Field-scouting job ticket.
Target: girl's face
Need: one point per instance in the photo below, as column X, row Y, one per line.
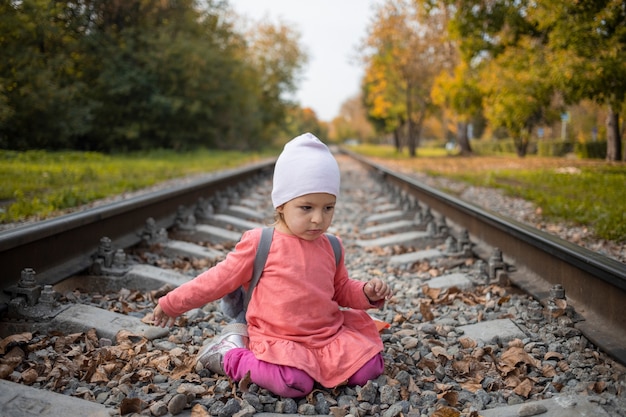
column 307, row 216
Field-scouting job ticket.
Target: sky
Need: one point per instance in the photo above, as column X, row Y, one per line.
column 331, row 31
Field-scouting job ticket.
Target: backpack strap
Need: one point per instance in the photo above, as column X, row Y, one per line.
column 334, row 242
column 259, row 262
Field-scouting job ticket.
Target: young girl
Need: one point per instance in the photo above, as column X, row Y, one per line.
column 297, row 332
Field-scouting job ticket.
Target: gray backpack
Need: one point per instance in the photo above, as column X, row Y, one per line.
column 235, row 304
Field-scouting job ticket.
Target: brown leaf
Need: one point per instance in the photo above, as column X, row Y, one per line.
column 125, row 338
column 99, row 376
column 452, row 397
column 148, row 319
column 245, row 382
column 524, row 388
column 131, row 405
column 198, row 410
column 598, row 387
column 504, row 299
column 15, row 356
column 440, row 351
column 515, row 355
column 184, row 368
column 552, row 355
column 548, row 371
column 14, row 338
column 467, row 343
column 6, row 370
column 560, row 303
column 428, row 363
column 471, row 385
column 461, row 366
column 426, row 312
column 29, row 376
column 399, row 318
column 432, row 293
column 446, row 412
column 480, row 316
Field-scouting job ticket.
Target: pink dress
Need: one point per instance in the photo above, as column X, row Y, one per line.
column 295, row 317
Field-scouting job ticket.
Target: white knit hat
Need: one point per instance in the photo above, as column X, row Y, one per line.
column 305, row 166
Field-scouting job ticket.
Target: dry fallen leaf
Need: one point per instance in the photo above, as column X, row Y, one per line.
column 199, row 411
column 524, row 388
column 6, row 370
column 452, row 397
column 131, row 405
column 472, row 385
column 446, row 412
column 598, row 387
column 440, row 351
column 426, row 312
column 245, row 382
column 29, row 376
column 467, row 343
column 14, row 338
column 548, row 371
column 552, row 355
column 516, row 355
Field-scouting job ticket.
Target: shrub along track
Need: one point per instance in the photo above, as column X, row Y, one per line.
column 430, row 364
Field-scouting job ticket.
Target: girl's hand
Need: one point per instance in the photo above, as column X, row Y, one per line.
column 376, row 290
column 159, row 318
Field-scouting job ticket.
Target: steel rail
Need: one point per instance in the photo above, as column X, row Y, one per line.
column 64, row 245
column 594, row 284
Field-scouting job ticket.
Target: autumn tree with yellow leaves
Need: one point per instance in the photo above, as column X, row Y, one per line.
column 521, row 64
column 403, row 56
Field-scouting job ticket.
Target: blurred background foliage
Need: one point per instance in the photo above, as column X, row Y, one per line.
column 122, row 75
column 541, row 77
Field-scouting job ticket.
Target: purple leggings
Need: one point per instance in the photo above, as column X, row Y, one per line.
column 287, row 381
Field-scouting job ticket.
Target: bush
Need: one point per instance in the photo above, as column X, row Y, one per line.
column 596, row 150
column 554, row 148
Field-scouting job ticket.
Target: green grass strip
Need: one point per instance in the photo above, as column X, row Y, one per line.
column 37, row 184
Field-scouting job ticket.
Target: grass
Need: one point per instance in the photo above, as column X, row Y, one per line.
column 582, row 192
column 38, row 184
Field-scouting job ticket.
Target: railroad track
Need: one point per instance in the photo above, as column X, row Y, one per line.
column 101, row 269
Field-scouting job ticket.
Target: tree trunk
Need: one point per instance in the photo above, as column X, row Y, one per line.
column 409, row 118
column 396, row 139
column 521, row 140
column 613, row 137
column 411, row 139
column 462, row 138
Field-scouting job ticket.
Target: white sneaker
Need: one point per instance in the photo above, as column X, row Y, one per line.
column 211, row 357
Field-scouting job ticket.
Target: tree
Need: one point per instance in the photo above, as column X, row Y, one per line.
column 518, row 92
column 352, row 121
column 300, row 120
column 587, row 40
column 385, row 107
column 115, row 75
column 509, row 53
column 402, row 61
column 580, row 46
column 277, row 59
column 42, row 86
column 460, row 92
